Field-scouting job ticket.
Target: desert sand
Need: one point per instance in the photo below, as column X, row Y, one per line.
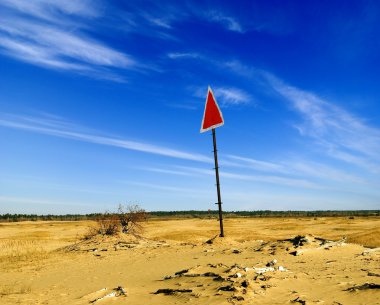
column 260, row 261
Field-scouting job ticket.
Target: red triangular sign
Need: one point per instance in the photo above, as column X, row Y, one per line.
column 212, row 116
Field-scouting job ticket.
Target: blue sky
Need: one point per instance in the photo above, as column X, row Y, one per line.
column 101, row 103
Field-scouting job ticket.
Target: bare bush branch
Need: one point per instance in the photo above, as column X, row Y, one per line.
column 126, row 220
column 131, row 218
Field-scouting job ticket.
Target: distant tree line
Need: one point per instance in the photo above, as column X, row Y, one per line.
column 265, row 213
column 35, row 217
column 195, row 214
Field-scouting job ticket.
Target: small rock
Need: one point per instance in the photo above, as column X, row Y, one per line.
column 120, row 290
column 211, row 240
column 300, row 240
column 236, row 251
column 262, row 277
column 182, row 272
column 168, row 291
column 227, row 288
column 299, row 300
column 218, row 279
column 272, row 263
column 263, row 270
column 210, row 274
column 365, row 286
column 238, row 298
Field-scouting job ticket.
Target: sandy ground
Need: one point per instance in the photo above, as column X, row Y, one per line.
column 258, row 262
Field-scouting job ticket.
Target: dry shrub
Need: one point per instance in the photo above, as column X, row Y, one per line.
column 126, row 220
column 131, row 219
column 108, row 224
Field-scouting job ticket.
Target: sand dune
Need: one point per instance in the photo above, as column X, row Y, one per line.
column 260, row 261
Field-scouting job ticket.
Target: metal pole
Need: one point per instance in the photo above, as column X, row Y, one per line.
column 218, row 184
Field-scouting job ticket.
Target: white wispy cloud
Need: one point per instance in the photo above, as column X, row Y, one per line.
column 32, row 201
column 168, row 188
column 37, row 55
column 237, row 67
column 232, row 96
column 48, row 9
column 342, row 134
column 178, row 55
column 271, row 179
column 298, row 167
column 64, row 129
column 160, row 22
column 259, row 165
column 187, row 106
column 319, row 170
column 163, row 16
column 152, row 19
column 228, row 22
column 166, row 171
column 41, row 33
column 299, row 183
column 226, row 96
column 44, row 205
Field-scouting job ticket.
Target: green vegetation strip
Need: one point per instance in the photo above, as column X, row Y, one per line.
column 195, row 214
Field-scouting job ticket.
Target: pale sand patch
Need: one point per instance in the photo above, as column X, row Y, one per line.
column 33, row 271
